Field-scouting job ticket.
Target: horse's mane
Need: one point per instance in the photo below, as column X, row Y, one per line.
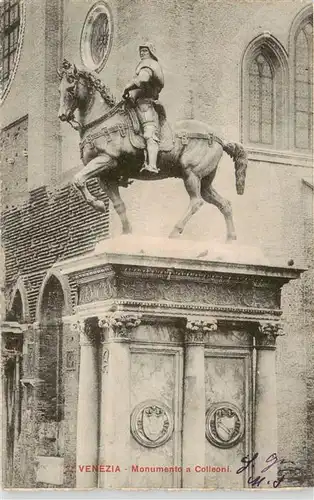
column 92, row 81
column 97, row 84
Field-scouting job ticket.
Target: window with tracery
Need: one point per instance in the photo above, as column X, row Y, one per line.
column 265, row 94
column 303, row 86
column 261, row 101
column 96, row 36
column 10, row 21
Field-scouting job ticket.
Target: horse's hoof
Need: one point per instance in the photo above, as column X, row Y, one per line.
column 175, row 233
column 99, row 205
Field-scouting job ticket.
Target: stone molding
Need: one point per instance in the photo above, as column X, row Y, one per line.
column 280, row 157
column 242, row 275
column 267, row 334
column 176, row 308
column 118, row 325
column 197, row 327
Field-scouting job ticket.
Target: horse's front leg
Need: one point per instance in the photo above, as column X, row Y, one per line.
column 111, row 188
column 93, row 169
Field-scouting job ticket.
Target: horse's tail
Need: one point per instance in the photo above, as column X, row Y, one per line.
column 239, row 156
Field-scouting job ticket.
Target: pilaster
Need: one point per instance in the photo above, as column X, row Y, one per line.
column 193, row 446
column 115, row 396
column 265, row 425
column 88, row 403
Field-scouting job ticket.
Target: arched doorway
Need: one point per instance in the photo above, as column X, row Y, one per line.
column 50, row 363
column 12, row 344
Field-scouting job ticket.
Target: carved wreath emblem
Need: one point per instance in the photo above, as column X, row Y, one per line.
column 151, row 423
column 224, row 425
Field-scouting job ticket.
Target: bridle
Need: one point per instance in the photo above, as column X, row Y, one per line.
column 66, row 67
column 92, row 84
column 71, row 119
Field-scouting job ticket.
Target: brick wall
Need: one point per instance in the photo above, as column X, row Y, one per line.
column 13, row 156
column 51, row 226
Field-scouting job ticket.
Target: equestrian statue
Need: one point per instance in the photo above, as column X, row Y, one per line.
column 131, row 139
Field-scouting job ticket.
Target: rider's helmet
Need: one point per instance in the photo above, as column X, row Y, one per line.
column 151, row 49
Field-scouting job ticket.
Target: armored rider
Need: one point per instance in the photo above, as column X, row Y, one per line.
column 146, row 86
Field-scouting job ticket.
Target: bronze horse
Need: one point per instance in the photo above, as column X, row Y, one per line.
column 108, row 154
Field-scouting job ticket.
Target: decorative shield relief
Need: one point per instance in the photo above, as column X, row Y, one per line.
column 224, row 425
column 96, row 37
column 151, row 423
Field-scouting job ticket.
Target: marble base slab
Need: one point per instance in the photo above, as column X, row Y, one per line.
column 181, row 249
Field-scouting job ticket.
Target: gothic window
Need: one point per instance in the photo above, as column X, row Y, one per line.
column 303, row 86
column 265, row 94
column 10, row 32
column 261, row 97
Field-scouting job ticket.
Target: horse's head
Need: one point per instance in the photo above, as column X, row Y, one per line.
column 73, row 89
column 77, row 89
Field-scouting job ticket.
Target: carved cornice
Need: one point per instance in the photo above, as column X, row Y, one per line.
column 267, row 333
column 118, row 325
column 93, row 273
column 150, row 306
column 96, row 289
column 197, row 327
column 219, row 293
column 174, row 274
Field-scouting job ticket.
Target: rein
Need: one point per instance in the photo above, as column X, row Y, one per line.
column 102, row 118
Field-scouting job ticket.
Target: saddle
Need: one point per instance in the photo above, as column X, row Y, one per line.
column 135, row 133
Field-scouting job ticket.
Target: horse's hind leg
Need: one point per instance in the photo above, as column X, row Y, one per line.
column 91, row 170
column 111, row 188
column 211, row 196
column 192, row 185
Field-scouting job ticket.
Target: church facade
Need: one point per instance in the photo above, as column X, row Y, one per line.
column 243, row 68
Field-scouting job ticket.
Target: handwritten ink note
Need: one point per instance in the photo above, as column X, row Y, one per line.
column 259, row 478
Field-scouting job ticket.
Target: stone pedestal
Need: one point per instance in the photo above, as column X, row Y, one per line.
column 168, row 396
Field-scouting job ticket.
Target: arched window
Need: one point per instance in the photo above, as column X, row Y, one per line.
column 11, row 32
column 261, row 100
column 303, row 85
column 17, row 307
column 264, row 94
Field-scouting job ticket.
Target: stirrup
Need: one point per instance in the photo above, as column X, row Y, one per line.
column 150, row 168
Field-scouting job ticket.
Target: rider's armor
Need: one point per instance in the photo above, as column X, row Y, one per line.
column 146, row 86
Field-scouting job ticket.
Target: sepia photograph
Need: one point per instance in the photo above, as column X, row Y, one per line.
column 157, row 250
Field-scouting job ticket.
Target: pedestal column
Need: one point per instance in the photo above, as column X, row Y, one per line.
column 115, row 398
column 265, row 425
column 193, row 446
column 88, row 405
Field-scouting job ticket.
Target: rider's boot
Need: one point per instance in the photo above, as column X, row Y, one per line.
column 151, row 153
